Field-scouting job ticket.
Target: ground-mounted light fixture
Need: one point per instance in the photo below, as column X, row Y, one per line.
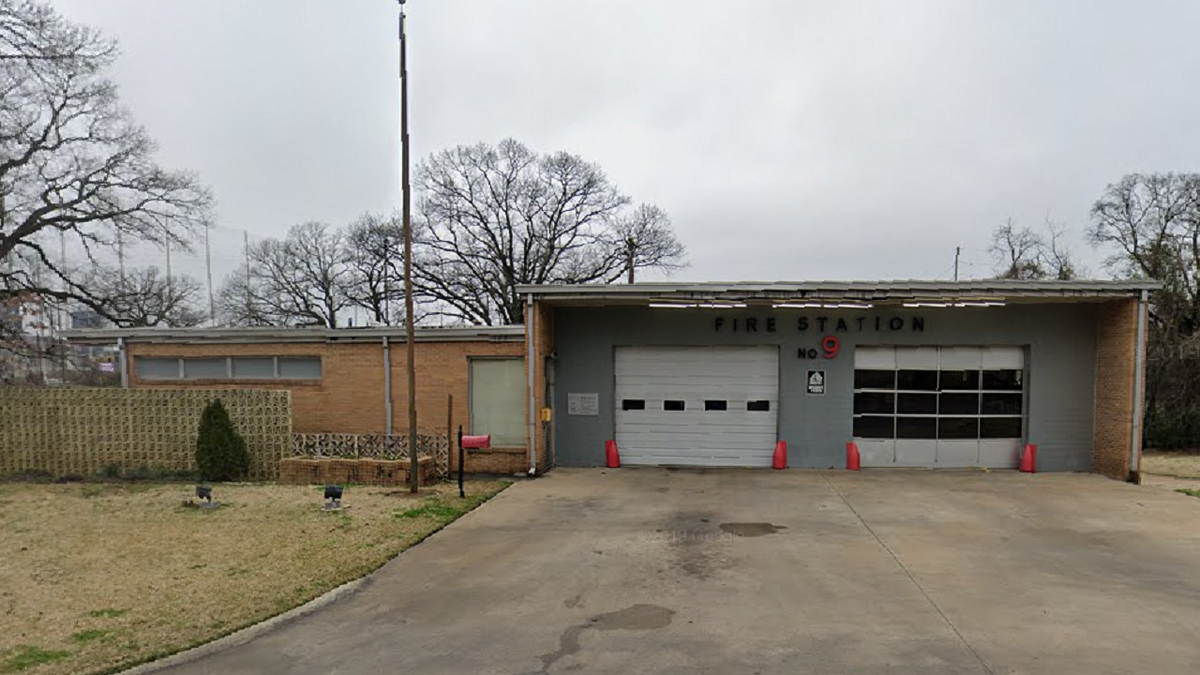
column 204, row 492
column 333, row 497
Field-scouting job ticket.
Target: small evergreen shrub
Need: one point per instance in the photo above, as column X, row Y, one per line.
column 220, row 451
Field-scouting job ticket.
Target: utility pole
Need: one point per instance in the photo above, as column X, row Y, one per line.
column 63, row 312
column 414, row 472
column 121, row 257
column 212, row 304
column 167, row 250
column 957, row 252
column 630, row 252
column 246, row 250
column 387, row 286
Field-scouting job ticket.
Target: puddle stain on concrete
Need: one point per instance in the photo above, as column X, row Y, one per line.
column 751, row 529
column 636, row 617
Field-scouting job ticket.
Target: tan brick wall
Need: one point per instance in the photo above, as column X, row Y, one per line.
column 349, row 398
column 1116, row 353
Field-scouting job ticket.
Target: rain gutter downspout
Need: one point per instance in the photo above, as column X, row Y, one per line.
column 1139, row 386
column 123, row 362
column 387, row 385
column 531, row 322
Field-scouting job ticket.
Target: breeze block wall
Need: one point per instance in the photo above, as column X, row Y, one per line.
column 1116, row 355
column 82, row 432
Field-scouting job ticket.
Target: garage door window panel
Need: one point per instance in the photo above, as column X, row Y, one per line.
column 633, row 404
column 758, row 406
column 917, row 380
column 1002, row 404
column 958, row 428
column 1000, row 427
column 959, row 404
column 918, row 404
column 1002, row 380
column 875, row 426
column 875, row 379
column 923, row 428
column 674, row 406
column 497, row 400
column 877, row 402
column 959, row 379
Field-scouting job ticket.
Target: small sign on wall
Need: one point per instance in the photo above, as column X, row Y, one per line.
column 816, row 382
column 583, row 404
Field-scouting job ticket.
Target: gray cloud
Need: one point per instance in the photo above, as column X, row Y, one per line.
column 787, row 139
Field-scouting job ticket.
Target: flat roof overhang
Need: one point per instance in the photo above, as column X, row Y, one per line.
column 849, row 293
column 396, row 334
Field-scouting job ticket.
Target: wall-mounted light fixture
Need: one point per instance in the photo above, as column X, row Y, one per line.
column 823, row 305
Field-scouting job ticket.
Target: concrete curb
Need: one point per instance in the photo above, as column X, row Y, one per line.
column 251, row 632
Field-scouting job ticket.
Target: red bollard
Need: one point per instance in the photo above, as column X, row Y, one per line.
column 853, row 460
column 779, row 461
column 611, row 456
column 1029, row 459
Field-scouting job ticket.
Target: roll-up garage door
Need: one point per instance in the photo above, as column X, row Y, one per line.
column 697, row 406
column 939, row 406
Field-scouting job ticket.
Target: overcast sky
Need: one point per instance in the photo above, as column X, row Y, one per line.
column 787, row 139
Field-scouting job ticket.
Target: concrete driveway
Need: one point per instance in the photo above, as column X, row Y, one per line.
column 661, row 571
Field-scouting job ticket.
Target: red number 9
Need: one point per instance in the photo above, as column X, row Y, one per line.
column 831, row 345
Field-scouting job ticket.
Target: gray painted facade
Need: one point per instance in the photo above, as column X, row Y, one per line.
column 1059, row 338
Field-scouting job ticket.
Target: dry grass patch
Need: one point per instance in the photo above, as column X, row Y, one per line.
column 96, row 578
column 1179, row 464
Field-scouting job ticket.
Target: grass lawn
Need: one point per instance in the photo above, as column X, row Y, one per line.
column 99, row 577
column 1179, row 464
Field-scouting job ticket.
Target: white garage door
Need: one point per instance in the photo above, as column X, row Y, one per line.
column 939, row 406
column 697, row 406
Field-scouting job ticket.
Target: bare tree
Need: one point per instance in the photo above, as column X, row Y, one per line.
column 301, row 279
column 373, row 244
column 1153, row 223
column 1056, row 255
column 491, row 218
column 73, row 164
column 1017, row 252
column 146, row 297
column 1022, row 253
column 646, row 239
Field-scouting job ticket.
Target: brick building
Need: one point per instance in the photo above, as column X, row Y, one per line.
column 917, row 373
column 928, row 374
column 351, row 380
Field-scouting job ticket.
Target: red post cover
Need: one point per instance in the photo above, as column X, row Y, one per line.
column 612, row 457
column 1029, row 459
column 853, row 459
column 779, row 461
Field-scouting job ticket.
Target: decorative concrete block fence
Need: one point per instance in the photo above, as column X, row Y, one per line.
column 86, row 432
